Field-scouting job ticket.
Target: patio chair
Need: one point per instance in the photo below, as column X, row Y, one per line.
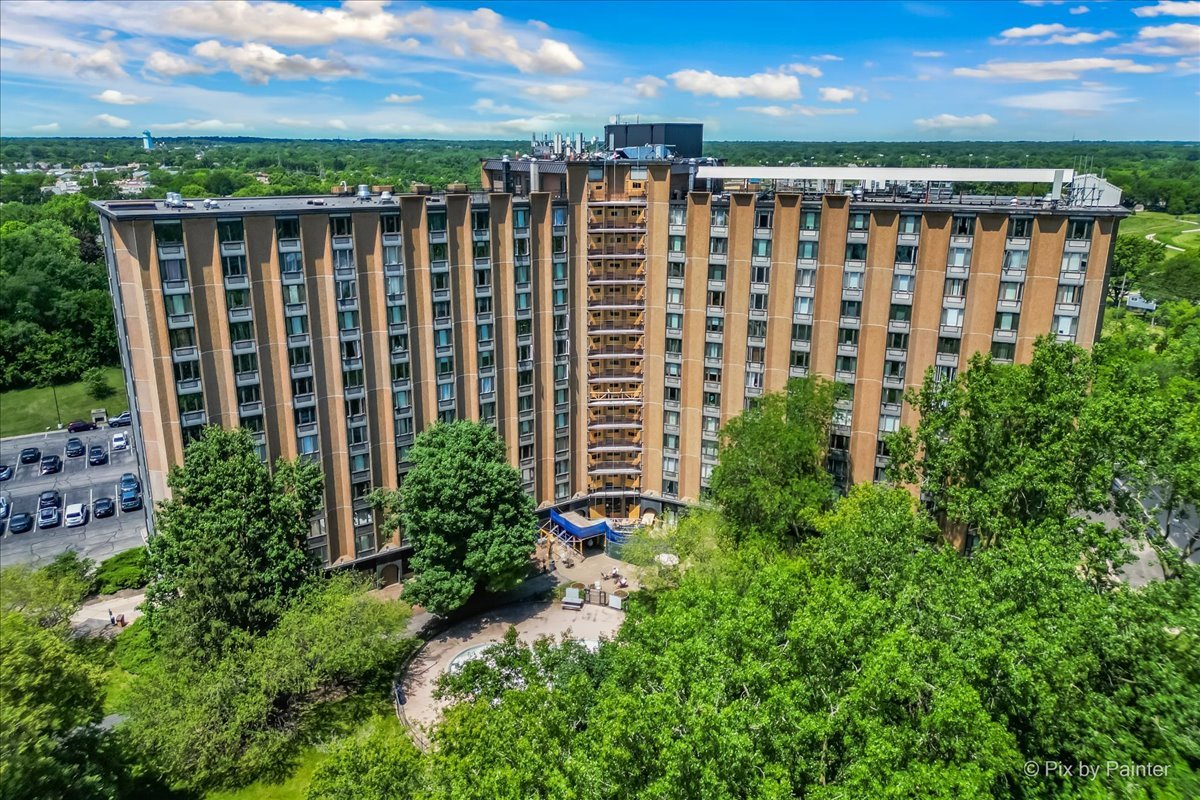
column 573, row 599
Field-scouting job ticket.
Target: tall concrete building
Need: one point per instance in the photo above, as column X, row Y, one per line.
column 607, row 312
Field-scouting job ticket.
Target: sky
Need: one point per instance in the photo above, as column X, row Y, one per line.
column 919, row 70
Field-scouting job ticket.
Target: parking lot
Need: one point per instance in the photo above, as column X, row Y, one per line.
column 78, row 482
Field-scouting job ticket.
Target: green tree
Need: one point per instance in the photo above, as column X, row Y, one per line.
column 771, row 478
column 1133, row 256
column 462, row 508
column 97, row 384
column 383, row 764
column 229, row 551
column 1005, row 445
column 242, row 717
column 1176, row 278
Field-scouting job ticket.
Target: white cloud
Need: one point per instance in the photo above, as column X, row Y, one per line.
column 558, row 92
column 646, row 86
column 929, row 53
column 1034, row 30
column 767, row 85
column 526, row 124
column 1040, row 3
column 292, row 122
column 49, row 127
column 486, row 105
column 1176, row 39
column 258, row 63
column 287, row 23
column 110, row 121
column 200, row 125
column 403, row 98
column 537, row 23
column 481, row 33
column 1083, row 37
column 1066, row 102
column 102, row 63
column 827, row 57
column 1065, row 69
column 950, row 121
column 805, row 69
column 337, row 123
column 118, row 98
column 1170, row 8
column 1079, row 10
column 171, row 65
column 797, row 110
column 833, row 94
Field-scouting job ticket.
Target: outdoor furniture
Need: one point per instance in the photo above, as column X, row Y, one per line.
column 573, row 599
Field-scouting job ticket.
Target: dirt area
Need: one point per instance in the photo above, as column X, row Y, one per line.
column 532, row 620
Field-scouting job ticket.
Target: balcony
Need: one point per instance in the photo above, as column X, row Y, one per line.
column 1078, row 245
column 181, row 354
column 190, row 386
column 437, row 237
column 1002, row 335
column 249, row 378
column 481, row 235
column 1072, row 278
column 614, row 397
column 193, row 418
column 253, row 409
column 240, row 315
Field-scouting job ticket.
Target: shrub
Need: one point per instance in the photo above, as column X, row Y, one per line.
column 125, row 570
column 97, row 384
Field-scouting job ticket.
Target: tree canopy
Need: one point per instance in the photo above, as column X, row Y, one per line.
column 229, row 549
column 462, row 508
column 771, row 477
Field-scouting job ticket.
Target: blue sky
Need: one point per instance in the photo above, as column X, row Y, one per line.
column 1038, row 69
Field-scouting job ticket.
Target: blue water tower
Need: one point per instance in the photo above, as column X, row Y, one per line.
column 147, row 140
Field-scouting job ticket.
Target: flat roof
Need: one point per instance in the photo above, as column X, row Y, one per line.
column 275, row 204
column 889, row 174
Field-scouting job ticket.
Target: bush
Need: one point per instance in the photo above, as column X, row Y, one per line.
column 97, row 384
column 133, row 650
column 125, row 570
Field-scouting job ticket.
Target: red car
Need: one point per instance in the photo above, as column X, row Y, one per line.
column 79, row 426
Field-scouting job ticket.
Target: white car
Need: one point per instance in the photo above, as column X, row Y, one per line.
column 120, row 442
column 76, row 515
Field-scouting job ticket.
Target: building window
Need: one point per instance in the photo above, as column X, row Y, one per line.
column 959, row 257
column 340, row 226
column 1066, row 326
column 760, row 274
column 1003, row 351
column 720, row 216
column 714, row 324
column 906, row 254
column 910, row 223
column 760, row 248
column 675, row 244
column 852, row 308
column 952, row 317
column 1069, row 295
column 802, row 305
column 859, row 221
column 1016, row 259
column 437, row 220
column 1020, row 227
column 713, row 350
column 856, row 251
column 1011, row 291
column 807, row 250
column 800, row 359
column 848, row 336
column 897, row 340
column 903, row 283
column 291, row 263
column 899, row 313
column 963, row 225
column 810, row 220
column 801, row 332
column 1075, row 262
column 1079, row 230
column 853, row 280
column 948, row 346
column 806, row 278
column 718, row 245
column 758, row 301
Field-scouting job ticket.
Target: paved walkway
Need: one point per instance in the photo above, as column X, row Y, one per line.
column 92, row 617
column 532, row 620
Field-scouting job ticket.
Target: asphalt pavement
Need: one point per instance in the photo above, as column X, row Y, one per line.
column 1184, row 522
column 78, row 482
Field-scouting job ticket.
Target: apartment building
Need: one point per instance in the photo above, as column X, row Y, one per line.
column 607, row 312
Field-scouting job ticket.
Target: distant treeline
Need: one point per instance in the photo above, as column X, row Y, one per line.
column 1163, row 176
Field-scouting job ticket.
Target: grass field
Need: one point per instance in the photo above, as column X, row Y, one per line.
column 32, row 410
column 1166, row 228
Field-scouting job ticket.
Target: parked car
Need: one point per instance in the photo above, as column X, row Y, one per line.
column 5, row 507
column 131, row 499
column 120, row 442
column 31, row 455
column 51, row 465
column 97, row 455
column 121, row 420
column 49, row 517
column 75, row 447
column 6, row 471
column 78, row 426
column 130, row 481
column 104, row 507
column 50, row 497
column 76, row 515
column 21, row 523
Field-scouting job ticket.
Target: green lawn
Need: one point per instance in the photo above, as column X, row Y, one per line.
column 32, row 410
column 291, row 789
column 1166, row 228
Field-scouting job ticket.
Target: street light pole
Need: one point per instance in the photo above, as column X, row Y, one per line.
column 57, row 413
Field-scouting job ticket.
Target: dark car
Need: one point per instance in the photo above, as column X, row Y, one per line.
column 31, row 455
column 121, row 420
column 50, row 497
column 75, row 448
column 49, row 517
column 20, row 523
column 51, row 465
column 103, row 507
column 78, row 426
column 130, row 481
column 6, row 471
column 97, row 455
column 131, row 499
